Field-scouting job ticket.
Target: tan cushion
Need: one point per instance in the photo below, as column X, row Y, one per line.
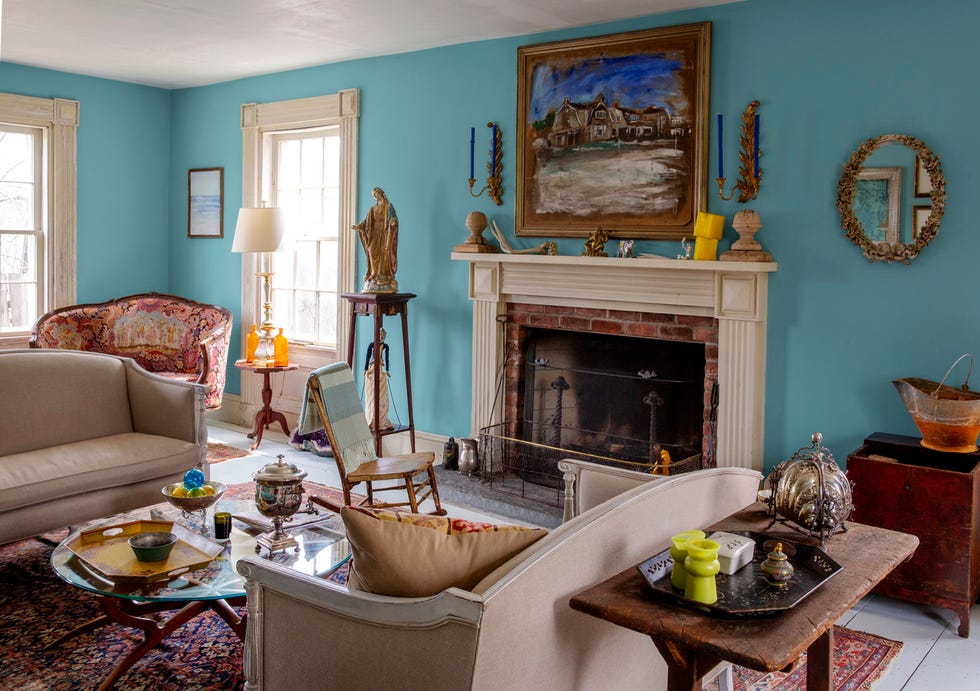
column 91, row 465
column 414, row 555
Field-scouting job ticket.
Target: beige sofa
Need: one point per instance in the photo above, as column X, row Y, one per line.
column 86, row 435
column 514, row 630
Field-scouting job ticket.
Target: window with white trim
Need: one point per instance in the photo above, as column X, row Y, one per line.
column 301, row 155
column 38, row 207
column 305, row 183
column 23, row 193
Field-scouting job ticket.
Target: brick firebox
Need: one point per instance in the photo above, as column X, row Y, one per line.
column 521, row 318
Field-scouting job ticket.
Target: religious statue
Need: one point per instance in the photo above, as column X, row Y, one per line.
column 378, row 233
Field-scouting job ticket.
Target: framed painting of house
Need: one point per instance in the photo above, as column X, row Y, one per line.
column 205, row 202
column 612, row 132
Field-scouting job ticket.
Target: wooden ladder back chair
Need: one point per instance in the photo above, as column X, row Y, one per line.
column 334, row 394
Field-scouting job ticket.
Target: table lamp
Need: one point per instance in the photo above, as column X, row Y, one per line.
column 261, row 230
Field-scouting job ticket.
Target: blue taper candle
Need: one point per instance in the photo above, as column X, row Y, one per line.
column 721, row 164
column 472, row 141
column 755, row 148
column 493, row 152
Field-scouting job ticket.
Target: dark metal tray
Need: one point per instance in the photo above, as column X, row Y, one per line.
column 746, row 592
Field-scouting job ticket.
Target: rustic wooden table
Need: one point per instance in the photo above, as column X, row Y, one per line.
column 692, row 643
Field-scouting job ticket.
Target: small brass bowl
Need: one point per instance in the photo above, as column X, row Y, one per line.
column 152, row 546
column 194, row 503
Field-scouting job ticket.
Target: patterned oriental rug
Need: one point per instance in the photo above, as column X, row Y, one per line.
column 218, row 452
column 860, row 659
column 36, row 607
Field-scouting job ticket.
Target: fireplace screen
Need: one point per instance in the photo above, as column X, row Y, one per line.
column 630, row 402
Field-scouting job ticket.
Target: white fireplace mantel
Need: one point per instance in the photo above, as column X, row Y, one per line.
column 735, row 293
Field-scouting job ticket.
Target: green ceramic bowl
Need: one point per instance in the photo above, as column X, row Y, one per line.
column 152, row 546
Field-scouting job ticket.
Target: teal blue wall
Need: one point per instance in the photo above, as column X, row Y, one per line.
column 123, row 169
column 828, row 75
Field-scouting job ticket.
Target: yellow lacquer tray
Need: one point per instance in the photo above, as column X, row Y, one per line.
column 106, row 549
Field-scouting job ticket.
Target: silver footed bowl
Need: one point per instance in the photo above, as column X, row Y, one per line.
column 194, row 503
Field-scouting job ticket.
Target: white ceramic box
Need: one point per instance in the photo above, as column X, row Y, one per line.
column 736, row 551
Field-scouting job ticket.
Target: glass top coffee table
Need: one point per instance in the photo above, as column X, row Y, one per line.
column 217, row 586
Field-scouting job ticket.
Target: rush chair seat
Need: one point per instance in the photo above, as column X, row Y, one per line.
column 333, row 394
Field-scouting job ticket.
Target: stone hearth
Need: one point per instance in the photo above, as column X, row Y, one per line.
column 686, row 298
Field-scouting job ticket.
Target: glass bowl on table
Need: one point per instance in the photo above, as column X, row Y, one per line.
column 198, row 504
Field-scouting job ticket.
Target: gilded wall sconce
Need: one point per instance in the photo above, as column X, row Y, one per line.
column 749, row 173
column 494, row 186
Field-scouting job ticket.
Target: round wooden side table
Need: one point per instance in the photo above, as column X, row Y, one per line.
column 266, row 415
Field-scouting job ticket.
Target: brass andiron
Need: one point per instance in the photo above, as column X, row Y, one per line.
column 494, row 186
column 749, row 173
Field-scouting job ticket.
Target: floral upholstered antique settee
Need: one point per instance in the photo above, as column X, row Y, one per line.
column 168, row 335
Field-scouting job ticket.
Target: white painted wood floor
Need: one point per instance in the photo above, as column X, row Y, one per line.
column 933, row 658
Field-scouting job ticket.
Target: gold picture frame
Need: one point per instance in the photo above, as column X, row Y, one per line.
column 923, row 185
column 613, row 133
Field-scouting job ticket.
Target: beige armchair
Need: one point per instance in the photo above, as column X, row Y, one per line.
column 514, row 630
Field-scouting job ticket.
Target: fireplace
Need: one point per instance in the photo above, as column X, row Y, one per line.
column 721, row 305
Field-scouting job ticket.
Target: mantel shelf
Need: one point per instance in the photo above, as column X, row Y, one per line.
column 616, row 262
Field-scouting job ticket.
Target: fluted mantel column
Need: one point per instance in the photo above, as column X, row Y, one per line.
column 735, row 293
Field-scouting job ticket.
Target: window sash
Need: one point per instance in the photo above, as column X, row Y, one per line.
column 305, row 180
column 22, row 300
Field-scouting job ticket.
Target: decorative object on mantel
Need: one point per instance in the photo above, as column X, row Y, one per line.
column 547, row 247
column 922, row 232
column 595, row 246
column 749, row 154
column 746, row 248
column 948, row 418
column 494, row 187
column 625, row 250
column 810, row 492
column 686, row 248
column 476, row 223
column 378, row 233
column 707, row 232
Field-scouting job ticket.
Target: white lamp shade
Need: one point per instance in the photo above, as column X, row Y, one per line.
column 259, row 230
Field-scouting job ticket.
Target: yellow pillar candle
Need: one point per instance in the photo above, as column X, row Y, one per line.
column 709, row 226
column 705, row 249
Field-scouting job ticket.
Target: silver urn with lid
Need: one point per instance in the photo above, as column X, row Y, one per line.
column 278, row 495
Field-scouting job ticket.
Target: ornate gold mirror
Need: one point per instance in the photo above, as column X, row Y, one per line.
column 891, row 200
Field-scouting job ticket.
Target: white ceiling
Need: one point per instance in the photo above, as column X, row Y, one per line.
column 181, row 43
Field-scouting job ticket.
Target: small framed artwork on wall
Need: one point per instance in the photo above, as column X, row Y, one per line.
column 923, row 184
column 205, row 202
